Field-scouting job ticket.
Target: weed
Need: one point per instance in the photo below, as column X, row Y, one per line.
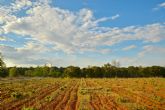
column 48, row 98
column 139, row 108
column 158, row 98
column 62, row 88
column 28, row 108
column 122, row 100
column 108, row 89
column 16, row 95
column 84, row 91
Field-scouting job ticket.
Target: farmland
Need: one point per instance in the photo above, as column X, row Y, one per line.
column 82, row 94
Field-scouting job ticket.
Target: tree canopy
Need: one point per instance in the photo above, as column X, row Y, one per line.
column 2, row 63
column 106, row 70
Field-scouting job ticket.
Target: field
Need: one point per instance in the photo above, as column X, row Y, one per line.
column 82, row 94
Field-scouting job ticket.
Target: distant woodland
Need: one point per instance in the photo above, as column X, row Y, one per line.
column 106, row 71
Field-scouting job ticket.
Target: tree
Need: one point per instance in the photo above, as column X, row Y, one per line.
column 38, row 71
column 3, row 70
column 2, row 63
column 54, row 72
column 87, row 72
column 45, row 70
column 13, row 72
column 106, row 69
column 28, row 73
column 97, row 71
column 72, row 71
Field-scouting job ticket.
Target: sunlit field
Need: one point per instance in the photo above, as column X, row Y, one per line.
column 82, row 54
column 82, row 94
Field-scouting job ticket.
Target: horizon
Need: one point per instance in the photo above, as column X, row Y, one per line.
column 43, row 65
column 82, row 32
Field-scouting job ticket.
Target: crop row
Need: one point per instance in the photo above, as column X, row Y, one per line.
column 82, row 94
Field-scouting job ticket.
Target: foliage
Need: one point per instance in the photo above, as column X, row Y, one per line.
column 72, row 71
column 91, row 71
column 48, row 99
column 2, row 63
column 16, row 95
column 13, row 72
column 3, row 72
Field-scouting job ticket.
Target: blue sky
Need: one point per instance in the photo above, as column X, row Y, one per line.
column 133, row 12
column 82, row 32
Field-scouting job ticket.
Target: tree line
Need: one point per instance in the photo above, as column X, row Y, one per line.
column 107, row 70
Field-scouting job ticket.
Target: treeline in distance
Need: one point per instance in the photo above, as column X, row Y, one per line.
column 107, row 70
column 89, row 72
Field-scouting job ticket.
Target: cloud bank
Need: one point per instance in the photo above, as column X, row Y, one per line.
column 53, row 30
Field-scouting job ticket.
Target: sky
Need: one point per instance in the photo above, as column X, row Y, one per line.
column 82, row 32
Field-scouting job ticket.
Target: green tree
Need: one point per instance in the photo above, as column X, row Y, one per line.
column 97, row 71
column 3, row 70
column 55, row 73
column 13, row 72
column 2, row 63
column 106, row 70
column 28, row 73
column 72, row 71
column 87, row 72
column 38, row 71
column 45, row 70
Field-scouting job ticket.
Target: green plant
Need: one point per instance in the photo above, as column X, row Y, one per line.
column 48, row 98
column 84, row 91
column 62, row 88
column 122, row 100
column 108, row 89
column 28, row 108
column 158, row 98
column 139, row 108
column 16, row 95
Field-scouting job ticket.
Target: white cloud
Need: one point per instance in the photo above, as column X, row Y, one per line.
column 129, row 47
column 67, row 31
column 33, row 54
column 162, row 5
column 29, row 54
column 107, row 18
column 148, row 33
column 115, row 17
column 150, row 49
column 149, row 55
column 76, row 32
column 4, row 38
column 20, row 4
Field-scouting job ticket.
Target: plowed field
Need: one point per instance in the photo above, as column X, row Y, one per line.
column 82, row 94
